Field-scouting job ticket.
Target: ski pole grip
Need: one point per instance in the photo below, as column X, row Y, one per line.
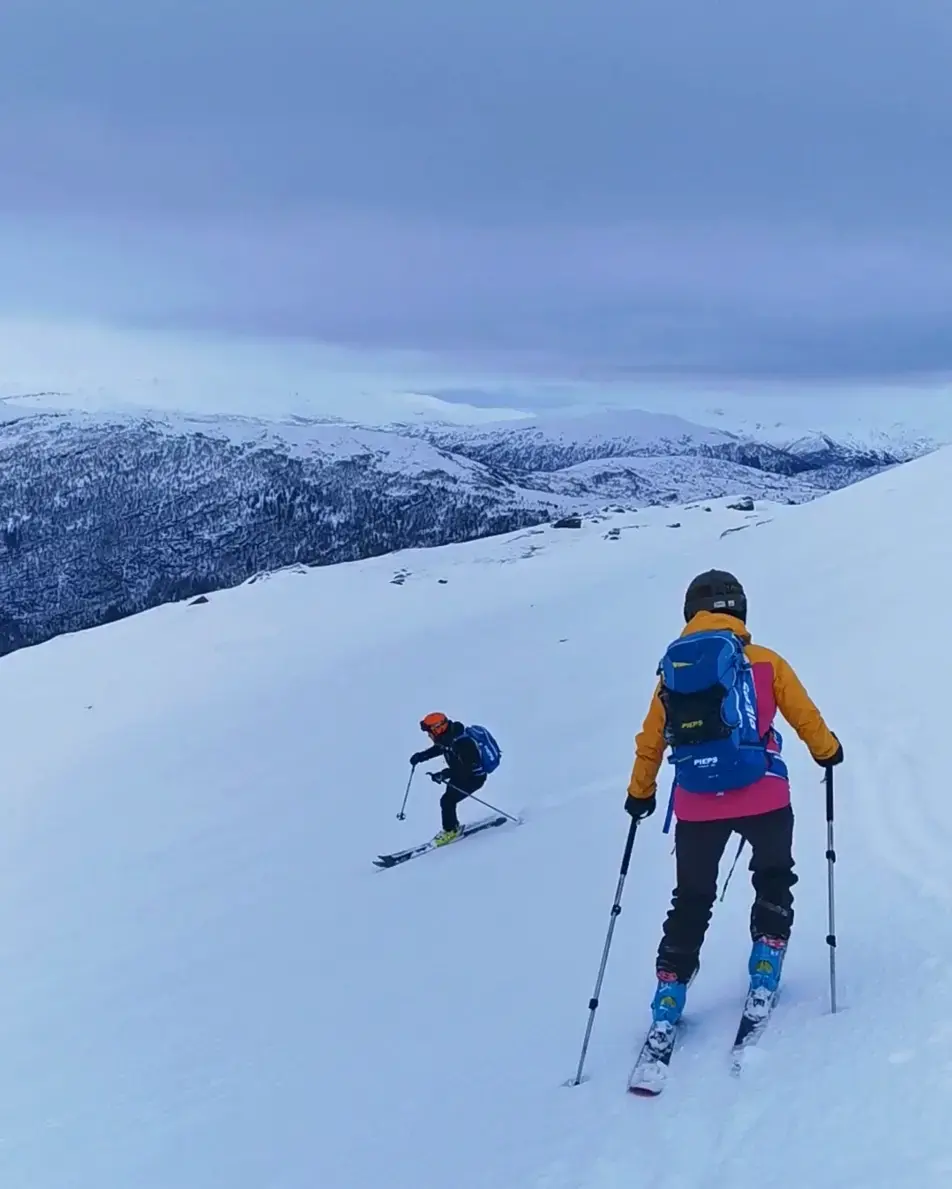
column 626, row 857
column 829, row 794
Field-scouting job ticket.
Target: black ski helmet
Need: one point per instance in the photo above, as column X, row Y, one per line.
column 716, row 590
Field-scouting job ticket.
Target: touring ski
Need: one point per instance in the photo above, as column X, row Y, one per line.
column 402, row 856
column 650, row 1071
column 757, row 1010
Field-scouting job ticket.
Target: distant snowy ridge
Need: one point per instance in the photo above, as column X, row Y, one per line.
column 105, row 514
column 547, row 444
column 658, row 480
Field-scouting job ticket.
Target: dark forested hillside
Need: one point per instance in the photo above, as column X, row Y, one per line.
column 101, row 517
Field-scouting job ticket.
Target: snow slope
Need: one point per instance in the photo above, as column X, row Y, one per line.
column 205, row 983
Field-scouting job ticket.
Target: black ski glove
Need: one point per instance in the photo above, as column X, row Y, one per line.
column 439, row 777
column 640, row 807
column 835, row 758
column 417, row 758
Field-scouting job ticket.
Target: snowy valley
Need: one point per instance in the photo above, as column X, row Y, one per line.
column 206, row 982
column 106, row 514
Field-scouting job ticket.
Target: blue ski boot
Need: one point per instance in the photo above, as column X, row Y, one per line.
column 764, row 967
column 668, row 1003
column 667, row 1007
column 766, row 962
column 651, row 1067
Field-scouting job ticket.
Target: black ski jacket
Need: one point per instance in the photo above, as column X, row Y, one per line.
column 462, row 759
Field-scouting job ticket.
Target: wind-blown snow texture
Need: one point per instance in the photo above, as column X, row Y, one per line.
column 205, row 982
column 102, row 515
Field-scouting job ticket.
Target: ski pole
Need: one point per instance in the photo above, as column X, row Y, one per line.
column 731, row 872
column 616, row 910
column 402, row 814
column 830, row 861
column 502, row 812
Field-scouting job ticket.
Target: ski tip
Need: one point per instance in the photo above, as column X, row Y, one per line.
column 649, row 1082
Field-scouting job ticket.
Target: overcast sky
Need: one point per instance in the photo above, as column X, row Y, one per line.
column 605, row 187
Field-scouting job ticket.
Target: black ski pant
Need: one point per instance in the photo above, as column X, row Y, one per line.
column 698, row 849
column 452, row 797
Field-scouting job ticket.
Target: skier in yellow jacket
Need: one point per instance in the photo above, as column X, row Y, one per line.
column 758, row 809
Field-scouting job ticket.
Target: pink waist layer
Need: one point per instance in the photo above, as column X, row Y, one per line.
column 766, row 795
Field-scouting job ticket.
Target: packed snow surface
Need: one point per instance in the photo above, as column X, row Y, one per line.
column 206, row 984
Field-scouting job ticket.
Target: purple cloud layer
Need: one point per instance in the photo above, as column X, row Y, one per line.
column 730, row 187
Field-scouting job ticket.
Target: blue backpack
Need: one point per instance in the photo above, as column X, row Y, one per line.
column 710, row 701
column 489, row 751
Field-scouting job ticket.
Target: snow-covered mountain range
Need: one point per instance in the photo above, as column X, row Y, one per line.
column 105, row 514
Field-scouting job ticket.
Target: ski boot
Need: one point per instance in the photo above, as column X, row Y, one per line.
column 766, row 962
column 764, row 967
column 668, row 1003
column 667, row 1007
column 446, row 836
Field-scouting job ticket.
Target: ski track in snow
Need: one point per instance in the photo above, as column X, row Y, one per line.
column 206, row 983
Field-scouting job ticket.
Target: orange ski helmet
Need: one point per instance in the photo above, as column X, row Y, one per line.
column 435, row 724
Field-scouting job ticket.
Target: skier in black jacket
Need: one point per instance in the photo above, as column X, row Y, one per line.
column 462, row 775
